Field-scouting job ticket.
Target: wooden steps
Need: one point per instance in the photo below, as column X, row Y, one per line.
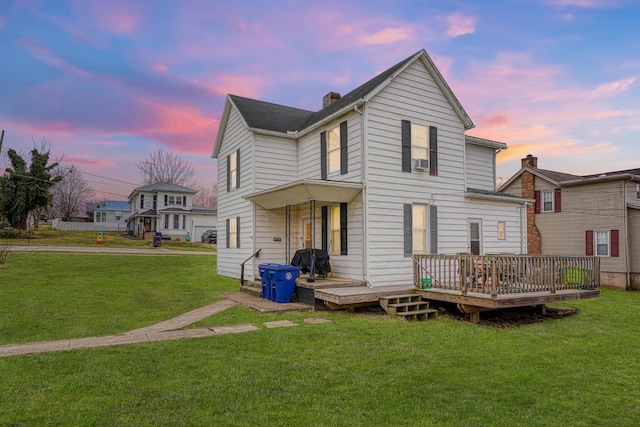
column 252, row 288
column 409, row 306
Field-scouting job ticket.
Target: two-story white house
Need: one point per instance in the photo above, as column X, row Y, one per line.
column 112, row 214
column 168, row 209
column 375, row 176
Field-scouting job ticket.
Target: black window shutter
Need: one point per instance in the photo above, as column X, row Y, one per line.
column 615, row 243
column 166, row 198
column 406, row 146
column 227, row 222
column 325, row 231
column 589, row 241
column 228, row 173
column 344, row 153
column 237, row 232
column 408, row 229
column 433, row 229
column 238, row 169
column 537, row 196
column 557, row 200
column 323, row 155
column 433, row 150
column 343, row 229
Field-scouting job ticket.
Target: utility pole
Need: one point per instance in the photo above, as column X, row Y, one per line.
column 1, row 138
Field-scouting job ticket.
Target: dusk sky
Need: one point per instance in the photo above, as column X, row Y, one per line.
column 104, row 82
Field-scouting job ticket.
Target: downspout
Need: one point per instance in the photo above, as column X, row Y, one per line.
column 365, row 212
column 625, row 224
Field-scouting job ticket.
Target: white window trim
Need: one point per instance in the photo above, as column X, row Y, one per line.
column 233, row 170
column 336, row 168
column 543, row 201
column 595, row 242
column 334, row 226
column 424, row 228
column 414, row 132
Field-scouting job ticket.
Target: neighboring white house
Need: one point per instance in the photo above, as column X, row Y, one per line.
column 168, row 209
column 374, row 177
column 114, row 213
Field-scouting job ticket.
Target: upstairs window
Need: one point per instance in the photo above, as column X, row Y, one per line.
column 233, row 170
column 547, row 201
column 172, row 200
column 333, row 151
column 178, row 200
column 419, row 142
column 419, row 148
column 142, row 201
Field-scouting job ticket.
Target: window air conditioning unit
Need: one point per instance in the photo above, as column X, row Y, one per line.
column 421, row 164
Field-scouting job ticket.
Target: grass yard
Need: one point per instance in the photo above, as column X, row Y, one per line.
column 358, row 370
column 45, row 236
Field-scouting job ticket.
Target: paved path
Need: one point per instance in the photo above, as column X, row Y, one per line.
column 167, row 330
column 105, row 250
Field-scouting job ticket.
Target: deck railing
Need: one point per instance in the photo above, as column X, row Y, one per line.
column 506, row 274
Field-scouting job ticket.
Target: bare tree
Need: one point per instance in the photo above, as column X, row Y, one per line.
column 207, row 198
column 70, row 194
column 162, row 166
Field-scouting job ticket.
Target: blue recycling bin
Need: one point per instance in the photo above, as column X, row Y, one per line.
column 283, row 282
column 265, row 271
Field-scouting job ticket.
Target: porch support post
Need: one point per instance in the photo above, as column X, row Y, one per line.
column 287, row 231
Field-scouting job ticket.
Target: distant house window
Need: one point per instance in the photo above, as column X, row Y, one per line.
column 184, row 200
column 638, row 191
column 501, row 230
column 166, row 222
column 184, row 222
column 419, row 142
column 602, row 243
column 142, row 201
column 176, row 221
column 172, row 200
column 547, row 201
column 155, row 201
column 233, row 161
column 179, row 201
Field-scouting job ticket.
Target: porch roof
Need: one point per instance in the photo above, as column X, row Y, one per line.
column 303, row 191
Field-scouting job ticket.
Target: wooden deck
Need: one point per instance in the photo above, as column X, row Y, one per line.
column 354, row 296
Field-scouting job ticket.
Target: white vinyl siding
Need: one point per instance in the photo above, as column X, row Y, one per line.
column 277, row 164
column 480, row 167
column 309, row 151
column 232, row 204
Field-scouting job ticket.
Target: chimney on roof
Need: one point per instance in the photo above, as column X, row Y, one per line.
column 330, row 98
column 531, row 161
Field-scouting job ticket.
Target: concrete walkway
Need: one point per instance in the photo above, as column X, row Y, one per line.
column 167, row 330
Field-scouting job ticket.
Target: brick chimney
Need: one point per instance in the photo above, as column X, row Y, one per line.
column 531, row 161
column 330, row 98
column 528, row 181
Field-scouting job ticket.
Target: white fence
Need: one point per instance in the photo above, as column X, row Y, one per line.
column 58, row 224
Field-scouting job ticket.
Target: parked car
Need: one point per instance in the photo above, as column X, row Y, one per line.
column 210, row 236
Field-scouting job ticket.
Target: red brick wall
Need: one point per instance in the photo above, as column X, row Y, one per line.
column 534, row 240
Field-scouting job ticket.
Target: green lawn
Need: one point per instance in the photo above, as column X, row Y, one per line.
column 44, row 235
column 358, row 370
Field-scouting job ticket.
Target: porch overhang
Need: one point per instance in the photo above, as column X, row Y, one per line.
column 303, row 191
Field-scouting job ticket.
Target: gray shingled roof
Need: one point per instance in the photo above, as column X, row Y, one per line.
column 623, row 172
column 280, row 118
column 165, row 186
column 558, row 176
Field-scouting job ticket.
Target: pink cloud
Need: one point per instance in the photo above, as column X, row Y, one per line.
column 587, row 4
column 614, row 87
column 249, row 86
column 46, row 55
column 111, row 17
column 459, row 24
column 385, row 36
column 87, row 162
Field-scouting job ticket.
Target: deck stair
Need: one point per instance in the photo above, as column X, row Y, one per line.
column 409, row 306
column 252, row 288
